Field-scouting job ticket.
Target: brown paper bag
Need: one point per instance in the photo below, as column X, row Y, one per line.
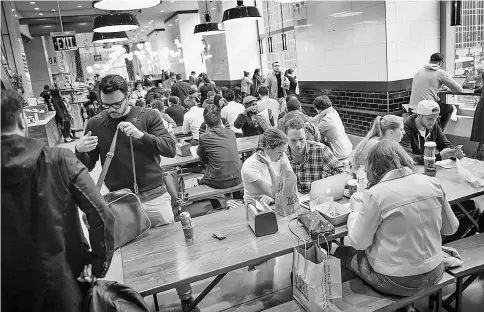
column 286, row 197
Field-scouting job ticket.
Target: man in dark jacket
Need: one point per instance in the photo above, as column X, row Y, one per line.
column 46, row 95
column 43, row 246
column 180, row 89
column 422, row 127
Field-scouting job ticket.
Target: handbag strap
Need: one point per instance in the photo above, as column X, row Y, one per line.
column 109, row 158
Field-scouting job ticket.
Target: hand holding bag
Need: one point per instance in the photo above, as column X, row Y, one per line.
column 130, row 219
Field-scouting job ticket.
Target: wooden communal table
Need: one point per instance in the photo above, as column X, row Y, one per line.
column 161, row 259
column 243, row 145
column 45, row 130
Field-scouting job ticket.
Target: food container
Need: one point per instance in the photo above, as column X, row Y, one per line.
column 337, row 213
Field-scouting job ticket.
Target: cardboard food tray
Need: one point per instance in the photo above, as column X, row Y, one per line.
column 341, row 218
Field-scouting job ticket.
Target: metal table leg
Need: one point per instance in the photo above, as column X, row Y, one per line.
column 438, row 301
column 155, row 300
column 206, row 291
column 468, row 215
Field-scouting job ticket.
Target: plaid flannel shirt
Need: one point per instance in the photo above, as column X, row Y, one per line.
column 319, row 162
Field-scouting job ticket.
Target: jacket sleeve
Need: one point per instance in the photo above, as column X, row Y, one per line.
column 157, row 138
column 451, row 83
column 201, row 151
column 89, row 159
column 450, row 223
column 101, row 220
column 362, row 225
column 169, row 120
column 240, row 121
column 441, row 140
column 406, row 143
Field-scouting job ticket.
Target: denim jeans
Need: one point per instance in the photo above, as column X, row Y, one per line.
column 406, row 286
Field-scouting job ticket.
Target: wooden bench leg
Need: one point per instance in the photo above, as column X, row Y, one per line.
column 438, row 301
column 155, row 300
column 431, row 302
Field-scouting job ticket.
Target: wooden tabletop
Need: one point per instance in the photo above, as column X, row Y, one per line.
column 457, row 189
column 161, row 259
column 243, row 145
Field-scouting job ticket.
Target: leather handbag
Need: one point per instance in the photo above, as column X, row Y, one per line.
column 107, row 296
column 130, row 219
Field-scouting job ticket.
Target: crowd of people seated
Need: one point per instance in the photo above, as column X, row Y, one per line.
column 289, row 140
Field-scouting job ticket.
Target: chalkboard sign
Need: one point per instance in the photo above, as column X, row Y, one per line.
column 64, row 41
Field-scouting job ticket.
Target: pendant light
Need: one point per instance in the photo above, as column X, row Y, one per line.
column 240, row 11
column 124, row 5
column 109, row 37
column 209, row 28
column 114, row 22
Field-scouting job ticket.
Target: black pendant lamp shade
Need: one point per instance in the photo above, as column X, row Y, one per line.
column 209, row 28
column 109, row 37
column 124, row 5
column 241, row 11
column 114, row 22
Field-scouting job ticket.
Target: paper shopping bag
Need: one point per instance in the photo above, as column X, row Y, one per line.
column 286, row 201
column 316, row 278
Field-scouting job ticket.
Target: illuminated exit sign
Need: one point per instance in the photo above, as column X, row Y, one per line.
column 64, row 41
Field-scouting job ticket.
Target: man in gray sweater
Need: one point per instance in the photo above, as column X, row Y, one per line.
column 427, row 82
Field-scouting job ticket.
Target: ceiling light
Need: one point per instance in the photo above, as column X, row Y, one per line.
column 116, row 5
column 114, row 22
column 241, row 11
column 79, row 6
column 209, row 28
column 162, row 11
column 36, row 9
column 41, row 14
column 345, row 14
column 98, row 37
column 172, row 1
column 32, row 2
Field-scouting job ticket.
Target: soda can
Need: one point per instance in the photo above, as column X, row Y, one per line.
column 185, row 219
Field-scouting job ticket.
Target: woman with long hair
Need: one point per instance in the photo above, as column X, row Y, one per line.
column 257, row 81
column 293, row 88
column 389, row 127
column 395, row 242
column 62, row 116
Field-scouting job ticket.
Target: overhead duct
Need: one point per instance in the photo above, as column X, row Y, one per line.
column 37, row 30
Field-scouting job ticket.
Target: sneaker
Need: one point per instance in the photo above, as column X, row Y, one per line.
column 186, row 305
column 68, row 140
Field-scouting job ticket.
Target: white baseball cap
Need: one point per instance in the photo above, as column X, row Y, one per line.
column 428, row 107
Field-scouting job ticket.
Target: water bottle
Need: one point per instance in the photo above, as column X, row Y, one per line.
column 362, row 180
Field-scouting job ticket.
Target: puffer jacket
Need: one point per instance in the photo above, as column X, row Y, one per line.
column 43, row 246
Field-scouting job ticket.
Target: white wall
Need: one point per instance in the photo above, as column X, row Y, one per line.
column 192, row 45
column 342, row 49
column 413, row 34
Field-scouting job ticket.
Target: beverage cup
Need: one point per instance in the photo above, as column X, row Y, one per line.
column 429, row 165
column 188, row 231
column 430, row 148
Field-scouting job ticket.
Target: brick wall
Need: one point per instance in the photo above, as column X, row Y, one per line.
column 358, row 109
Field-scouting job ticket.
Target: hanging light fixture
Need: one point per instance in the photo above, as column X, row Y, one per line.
column 114, row 22
column 109, row 37
column 209, row 28
column 240, row 11
column 124, row 5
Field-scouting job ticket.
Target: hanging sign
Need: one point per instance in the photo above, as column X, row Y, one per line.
column 64, row 41
column 97, row 58
column 52, row 60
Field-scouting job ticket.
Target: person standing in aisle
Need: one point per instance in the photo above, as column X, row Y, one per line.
column 278, row 85
column 246, row 84
column 180, row 89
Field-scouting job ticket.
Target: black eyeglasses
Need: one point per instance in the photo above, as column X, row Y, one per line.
column 115, row 105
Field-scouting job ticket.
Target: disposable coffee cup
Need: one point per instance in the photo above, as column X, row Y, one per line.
column 188, row 232
column 430, row 148
column 429, row 165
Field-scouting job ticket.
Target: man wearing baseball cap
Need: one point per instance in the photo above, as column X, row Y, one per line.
column 421, row 127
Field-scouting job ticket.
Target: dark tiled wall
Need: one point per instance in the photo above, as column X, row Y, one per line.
column 358, row 109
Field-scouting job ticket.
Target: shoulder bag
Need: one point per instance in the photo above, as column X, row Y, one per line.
column 130, row 219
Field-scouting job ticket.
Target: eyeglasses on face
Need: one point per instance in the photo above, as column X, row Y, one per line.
column 115, row 105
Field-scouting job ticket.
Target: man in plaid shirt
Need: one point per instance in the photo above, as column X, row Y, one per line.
column 310, row 161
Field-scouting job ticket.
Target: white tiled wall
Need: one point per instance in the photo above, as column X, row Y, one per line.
column 342, row 48
column 413, row 34
column 192, row 45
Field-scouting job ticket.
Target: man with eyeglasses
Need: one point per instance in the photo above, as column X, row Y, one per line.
column 426, row 84
column 150, row 140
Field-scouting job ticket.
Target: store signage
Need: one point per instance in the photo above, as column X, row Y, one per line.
column 97, row 58
column 64, row 41
column 52, row 60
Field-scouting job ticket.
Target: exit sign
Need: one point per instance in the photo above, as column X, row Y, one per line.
column 64, row 41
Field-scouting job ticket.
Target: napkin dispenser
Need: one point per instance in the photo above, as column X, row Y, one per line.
column 183, row 149
column 261, row 219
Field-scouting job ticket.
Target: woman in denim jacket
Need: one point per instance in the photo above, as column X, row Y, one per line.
column 395, row 236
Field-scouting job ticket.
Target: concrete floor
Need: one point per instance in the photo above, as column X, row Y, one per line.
column 267, row 286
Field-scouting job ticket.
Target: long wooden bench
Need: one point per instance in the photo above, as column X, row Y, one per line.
column 471, row 250
column 206, row 192
column 359, row 297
